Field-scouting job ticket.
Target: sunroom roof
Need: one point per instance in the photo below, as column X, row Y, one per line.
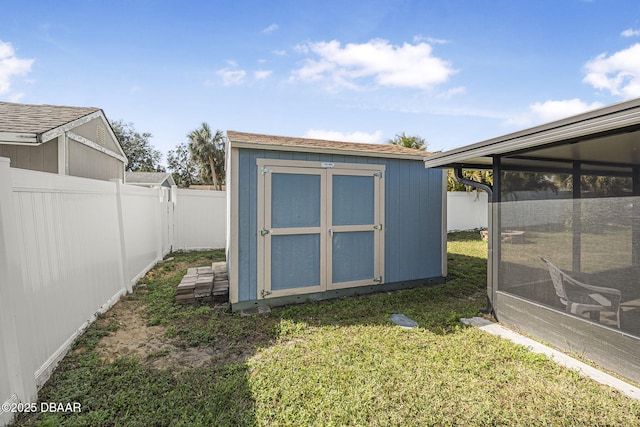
column 608, row 136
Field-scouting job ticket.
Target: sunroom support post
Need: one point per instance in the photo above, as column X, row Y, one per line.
column 576, row 220
column 495, row 230
column 635, row 219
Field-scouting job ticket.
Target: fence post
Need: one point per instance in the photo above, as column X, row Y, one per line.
column 124, row 271
column 12, row 299
column 176, row 230
column 159, row 214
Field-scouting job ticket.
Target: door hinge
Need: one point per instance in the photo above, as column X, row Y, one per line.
column 265, row 170
column 377, row 227
column 378, row 174
column 264, row 232
column 378, row 279
column 264, row 293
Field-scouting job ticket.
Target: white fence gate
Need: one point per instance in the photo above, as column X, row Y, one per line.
column 69, row 248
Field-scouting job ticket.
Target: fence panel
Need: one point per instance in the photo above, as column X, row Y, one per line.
column 467, row 210
column 200, row 219
column 142, row 228
column 69, row 245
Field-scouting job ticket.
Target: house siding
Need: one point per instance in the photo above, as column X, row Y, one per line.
column 89, row 130
column 413, row 216
column 89, row 163
column 42, row 157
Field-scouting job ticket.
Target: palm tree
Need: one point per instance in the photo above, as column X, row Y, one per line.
column 403, row 140
column 483, row 176
column 207, row 149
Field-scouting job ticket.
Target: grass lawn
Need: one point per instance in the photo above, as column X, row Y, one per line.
column 333, row 363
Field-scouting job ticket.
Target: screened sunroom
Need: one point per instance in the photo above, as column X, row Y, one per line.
column 564, row 249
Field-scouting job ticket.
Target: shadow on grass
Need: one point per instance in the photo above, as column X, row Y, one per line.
column 437, row 308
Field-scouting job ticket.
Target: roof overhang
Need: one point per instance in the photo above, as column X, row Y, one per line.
column 307, row 149
column 18, row 138
column 609, row 136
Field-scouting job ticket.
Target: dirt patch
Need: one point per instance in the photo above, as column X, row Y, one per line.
column 150, row 344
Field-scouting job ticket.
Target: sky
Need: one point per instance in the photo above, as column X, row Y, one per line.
column 453, row 72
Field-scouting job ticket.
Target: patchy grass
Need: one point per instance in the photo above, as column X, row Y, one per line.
column 338, row 362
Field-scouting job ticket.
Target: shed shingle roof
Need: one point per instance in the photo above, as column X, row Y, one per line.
column 319, row 145
column 37, row 119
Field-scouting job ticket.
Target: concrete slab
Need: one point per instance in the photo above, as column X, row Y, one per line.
column 403, row 321
column 262, row 309
column 555, row 355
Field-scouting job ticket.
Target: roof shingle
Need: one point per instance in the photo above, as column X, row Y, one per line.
column 284, row 142
column 37, row 119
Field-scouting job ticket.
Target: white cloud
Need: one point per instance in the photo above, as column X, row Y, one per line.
column 262, row 74
column 231, row 77
column 459, row 90
column 430, row 40
column 270, row 29
column 369, row 138
column 16, row 96
column 548, row 111
column 630, row 32
column 355, row 65
column 279, row 52
column 618, row 73
column 11, row 66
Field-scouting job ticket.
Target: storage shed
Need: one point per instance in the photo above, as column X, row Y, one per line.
column 76, row 141
column 315, row 219
column 564, row 247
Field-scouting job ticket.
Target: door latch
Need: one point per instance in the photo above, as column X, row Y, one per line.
column 378, row 279
column 377, row 227
column 331, row 232
column 264, row 232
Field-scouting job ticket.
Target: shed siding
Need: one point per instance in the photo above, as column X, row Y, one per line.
column 42, row 157
column 413, row 216
column 89, row 163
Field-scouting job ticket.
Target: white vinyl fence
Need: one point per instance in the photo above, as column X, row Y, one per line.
column 69, row 248
column 467, row 210
column 201, row 219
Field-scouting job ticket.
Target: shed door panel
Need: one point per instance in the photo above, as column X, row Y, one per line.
column 354, row 221
column 294, row 220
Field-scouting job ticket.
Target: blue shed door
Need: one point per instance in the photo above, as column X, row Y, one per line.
column 354, row 219
column 292, row 238
column 318, row 228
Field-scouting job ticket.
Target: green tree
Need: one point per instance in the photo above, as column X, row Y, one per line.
column 514, row 181
column 597, row 185
column 483, row 176
column 182, row 167
column 142, row 156
column 403, row 140
column 207, row 150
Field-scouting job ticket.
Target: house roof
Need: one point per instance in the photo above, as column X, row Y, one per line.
column 286, row 143
column 148, row 178
column 38, row 119
column 608, row 136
